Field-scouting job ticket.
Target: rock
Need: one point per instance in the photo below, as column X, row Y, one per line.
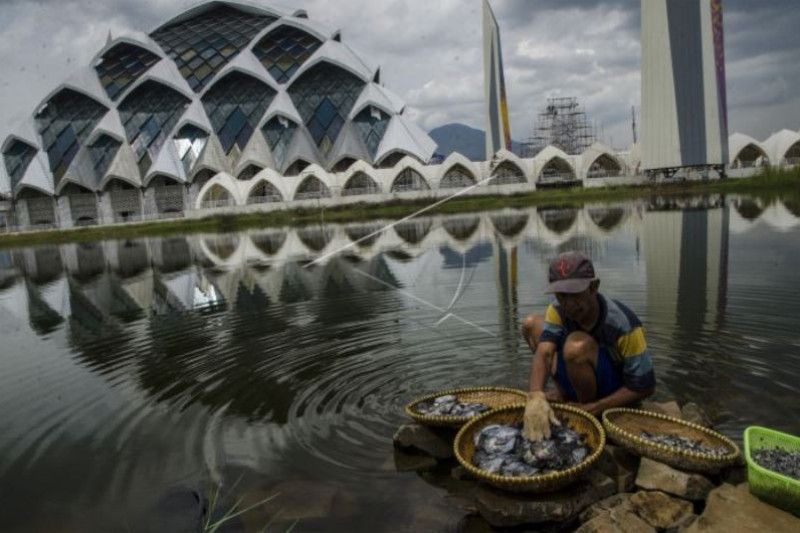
column 409, row 462
column 681, row 525
column 658, row 476
column 603, row 507
column 461, row 474
column 691, row 412
column 437, row 443
column 730, row 508
column 616, row 521
column 620, row 465
column 660, row 510
column 506, row 509
column 670, row 408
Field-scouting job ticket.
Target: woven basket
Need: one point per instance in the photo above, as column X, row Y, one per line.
column 625, row 426
column 576, row 419
column 492, row 396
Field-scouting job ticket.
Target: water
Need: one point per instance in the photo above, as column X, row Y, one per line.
column 131, row 371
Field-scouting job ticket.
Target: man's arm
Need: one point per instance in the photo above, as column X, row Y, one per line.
column 542, row 363
column 620, row 398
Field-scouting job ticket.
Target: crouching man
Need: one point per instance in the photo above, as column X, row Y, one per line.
column 593, row 347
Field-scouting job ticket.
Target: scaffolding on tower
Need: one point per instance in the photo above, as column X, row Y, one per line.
column 562, row 123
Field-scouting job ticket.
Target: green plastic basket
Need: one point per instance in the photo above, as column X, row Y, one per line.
column 776, row 489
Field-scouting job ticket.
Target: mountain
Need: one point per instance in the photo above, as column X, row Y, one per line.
column 467, row 141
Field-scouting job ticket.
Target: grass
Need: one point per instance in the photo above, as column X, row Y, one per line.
column 767, row 186
column 212, row 524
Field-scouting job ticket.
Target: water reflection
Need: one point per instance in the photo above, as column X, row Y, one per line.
column 146, row 362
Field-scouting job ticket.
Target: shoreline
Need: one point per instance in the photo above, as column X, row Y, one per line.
column 770, row 184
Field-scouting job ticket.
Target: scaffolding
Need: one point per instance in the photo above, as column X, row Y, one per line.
column 564, row 124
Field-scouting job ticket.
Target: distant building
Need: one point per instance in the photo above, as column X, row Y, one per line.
column 684, row 108
column 225, row 87
column 498, row 131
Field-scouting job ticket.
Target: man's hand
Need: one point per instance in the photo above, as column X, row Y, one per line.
column 538, row 417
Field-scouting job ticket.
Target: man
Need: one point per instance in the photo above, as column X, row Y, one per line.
column 594, row 348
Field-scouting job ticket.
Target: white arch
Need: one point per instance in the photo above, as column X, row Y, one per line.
column 456, row 159
column 336, row 54
column 779, row 144
column 269, row 176
column 738, row 142
column 506, row 156
column 592, row 154
column 202, row 6
column 133, row 38
column 224, row 180
column 246, row 64
column 85, row 82
column 546, row 156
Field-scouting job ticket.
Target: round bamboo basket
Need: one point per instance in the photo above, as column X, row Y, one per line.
column 625, row 426
column 576, row 419
column 492, row 396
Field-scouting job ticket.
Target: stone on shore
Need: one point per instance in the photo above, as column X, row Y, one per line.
column 508, row 509
column 661, row 510
column 670, row 408
column 653, row 475
column 603, row 507
column 730, row 508
column 435, row 442
column 619, row 520
column 691, row 412
column 620, row 465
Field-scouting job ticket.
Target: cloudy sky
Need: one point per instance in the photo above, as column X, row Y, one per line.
column 430, row 53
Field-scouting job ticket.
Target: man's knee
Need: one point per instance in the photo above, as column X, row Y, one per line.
column 532, row 327
column 580, row 348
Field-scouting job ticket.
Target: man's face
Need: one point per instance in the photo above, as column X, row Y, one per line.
column 578, row 306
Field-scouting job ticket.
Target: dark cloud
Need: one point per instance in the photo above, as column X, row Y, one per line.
column 430, row 53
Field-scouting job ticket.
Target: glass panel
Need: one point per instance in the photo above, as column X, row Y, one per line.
column 371, row 123
column 17, row 158
column 235, row 105
column 64, row 123
column 149, row 113
column 324, row 95
column 102, row 153
column 207, row 41
column 122, row 65
column 279, row 133
column 284, row 50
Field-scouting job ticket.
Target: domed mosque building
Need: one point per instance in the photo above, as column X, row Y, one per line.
column 228, row 103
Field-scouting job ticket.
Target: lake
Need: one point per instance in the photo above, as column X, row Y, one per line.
column 137, row 374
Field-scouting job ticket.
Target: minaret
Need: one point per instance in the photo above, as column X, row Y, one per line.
column 498, row 132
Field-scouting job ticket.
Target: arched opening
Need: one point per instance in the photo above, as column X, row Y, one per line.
column 456, row 178
column 750, row 156
column 604, row 166
column 509, row 225
column 607, row 218
column 461, row 228
column 361, row 232
column 315, row 238
column 82, row 204
column 558, row 220
column 748, row 209
column 296, row 168
column 269, row 243
column 792, row 156
column 507, row 173
column 168, row 195
column 249, row 172
column 343, row 164
column 216, row 196
column 223, row 246
column 360, row 183
column 557, row 170
column 39, row 206
column 413, row 231
column 391, row 160
column 263, row 193
column 409, row 180
column 203, row 176
column 312, row 188
column 126, row 200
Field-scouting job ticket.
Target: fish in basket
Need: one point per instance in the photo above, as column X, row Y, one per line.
column 453, row 408
column 492, row 448
column 669, row 440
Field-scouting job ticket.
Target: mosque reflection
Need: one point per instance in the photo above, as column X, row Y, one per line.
column 232, row 291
